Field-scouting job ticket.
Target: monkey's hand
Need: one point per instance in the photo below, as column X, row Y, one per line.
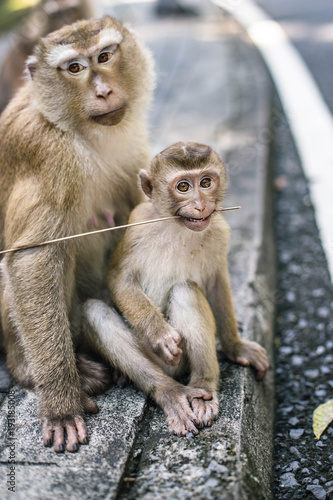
column 54, row 431
column 251, row 353
column 166, row 346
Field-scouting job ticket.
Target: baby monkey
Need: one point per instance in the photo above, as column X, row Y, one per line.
column 170, row 282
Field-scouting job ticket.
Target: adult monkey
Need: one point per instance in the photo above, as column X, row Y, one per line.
column 71, row 143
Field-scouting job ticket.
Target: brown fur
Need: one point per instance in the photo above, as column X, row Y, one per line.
column 59, row 170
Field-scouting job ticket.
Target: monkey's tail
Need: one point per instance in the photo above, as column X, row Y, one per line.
column 95, row 376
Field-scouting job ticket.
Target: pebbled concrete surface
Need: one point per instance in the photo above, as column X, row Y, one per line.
column 304, row 327
column 213, row 88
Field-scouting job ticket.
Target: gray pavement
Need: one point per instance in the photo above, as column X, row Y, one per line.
column 212, row 88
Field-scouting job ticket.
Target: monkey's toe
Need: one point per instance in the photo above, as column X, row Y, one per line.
column 205, row 411
column 181, row 418
column 251, row 353
column 59, row 439
column 56, row 432
column 195, row 393
column 47, row 433
column 242, row 361
column 72, row 438
column 81, row 430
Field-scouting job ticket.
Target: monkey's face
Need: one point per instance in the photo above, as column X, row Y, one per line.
column 96, row 75
column 91, row 72
column 186, row 179
column 194, row 196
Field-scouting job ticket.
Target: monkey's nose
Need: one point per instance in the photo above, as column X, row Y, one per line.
column 200, row 207
column 103, row 93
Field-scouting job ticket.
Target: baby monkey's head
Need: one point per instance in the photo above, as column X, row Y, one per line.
column 186, row 179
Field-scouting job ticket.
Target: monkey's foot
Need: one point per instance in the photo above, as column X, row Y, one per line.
column 76, row 431
column 205, row 411
column 251, row 353
column 176, row 405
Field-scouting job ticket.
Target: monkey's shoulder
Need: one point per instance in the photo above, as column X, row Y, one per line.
column 21, row 128
column 142, row 212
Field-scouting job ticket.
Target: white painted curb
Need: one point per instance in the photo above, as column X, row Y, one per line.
column 309, row 118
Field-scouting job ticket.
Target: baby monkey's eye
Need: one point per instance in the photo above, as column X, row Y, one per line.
column 75, row 68
column 206, row 182
column 183, row 186
column 104, row 57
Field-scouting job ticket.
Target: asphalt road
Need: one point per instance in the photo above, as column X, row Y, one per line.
column 309, row 25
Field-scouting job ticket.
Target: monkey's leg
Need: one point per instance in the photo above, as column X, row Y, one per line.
column 189, row 313
column 244, row 352
column 107, row 332
column 37, row 287
column 15, row 359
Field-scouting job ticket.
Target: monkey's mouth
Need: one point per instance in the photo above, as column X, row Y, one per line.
column 112, row 117
column 196, row 224
column 191, row 219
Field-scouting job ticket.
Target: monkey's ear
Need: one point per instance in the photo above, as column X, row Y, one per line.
column 31, row 66
column 146, row 183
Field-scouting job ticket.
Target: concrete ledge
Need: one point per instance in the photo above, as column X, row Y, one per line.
column 212, row 88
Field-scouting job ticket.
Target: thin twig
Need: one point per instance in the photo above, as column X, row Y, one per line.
column 99, row 231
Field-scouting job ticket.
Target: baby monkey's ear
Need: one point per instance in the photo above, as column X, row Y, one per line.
column 146, row 183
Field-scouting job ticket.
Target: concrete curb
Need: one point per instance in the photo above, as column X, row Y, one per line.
column 212, row 88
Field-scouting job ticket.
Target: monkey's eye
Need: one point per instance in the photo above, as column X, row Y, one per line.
column 104, row 57
column 75, row 68
column 206, row 182
column 183, row 186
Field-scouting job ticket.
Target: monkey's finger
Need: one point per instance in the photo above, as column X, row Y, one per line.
column 172, row 358
column 72, row 439
column 175, row 337
column 59, row 439
column 90, row 405
column 173, row 348
column 47, row 432
column 81, row 430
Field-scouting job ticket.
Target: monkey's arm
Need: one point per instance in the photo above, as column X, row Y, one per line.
column 38, row 293
column 153, row 330
column 219, row 294
column 244, row 352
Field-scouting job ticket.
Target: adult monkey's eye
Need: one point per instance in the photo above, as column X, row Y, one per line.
column 75, row 68
column 104, row 57
column 206, row 182
column 183, row 186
